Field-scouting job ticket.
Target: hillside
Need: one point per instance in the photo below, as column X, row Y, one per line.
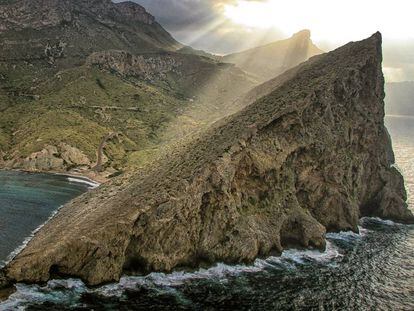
column 75, row 72
column 66, row 31
column 310, row 157
column 271, row 60
column 400, row 98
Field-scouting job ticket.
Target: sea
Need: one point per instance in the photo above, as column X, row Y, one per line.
column 372, row 270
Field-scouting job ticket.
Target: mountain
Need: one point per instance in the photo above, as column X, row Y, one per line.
column 270, row 60
column 66, row 31
column 86, row 80
column 400, row 98
column 308, row 157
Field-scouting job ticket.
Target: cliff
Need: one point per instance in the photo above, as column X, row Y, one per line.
column 63, row 32
column 269, row 61
column 310, row 156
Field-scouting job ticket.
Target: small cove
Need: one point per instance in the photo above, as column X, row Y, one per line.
column 28, row 200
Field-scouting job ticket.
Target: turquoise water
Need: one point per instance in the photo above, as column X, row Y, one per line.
column 27, row 201
column 373, row 270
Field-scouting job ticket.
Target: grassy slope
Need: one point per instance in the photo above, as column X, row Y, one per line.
column 45, row 102
column 79, row 106
column 66, row 109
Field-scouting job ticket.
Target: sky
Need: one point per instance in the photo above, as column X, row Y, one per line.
column 226, row 26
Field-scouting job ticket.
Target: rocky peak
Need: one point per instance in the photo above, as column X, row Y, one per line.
column 135, row 12
column 33, row 14
column 65, row 32
column 270, row 60
column 303, row 34
column 39, row 14
column 311, row 155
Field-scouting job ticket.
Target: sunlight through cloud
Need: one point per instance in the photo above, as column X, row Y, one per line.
column 336, row 21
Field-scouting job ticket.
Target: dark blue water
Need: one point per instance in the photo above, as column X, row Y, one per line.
column 27, row 201
column 373, row 270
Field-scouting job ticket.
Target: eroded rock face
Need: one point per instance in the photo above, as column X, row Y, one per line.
column 311, row 156
column 59, row 158
column 148, row 67
column 135, row 12
column 65, row 32
column 41, row 14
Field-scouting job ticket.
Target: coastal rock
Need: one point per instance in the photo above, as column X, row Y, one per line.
column 3, row 280
column 45, row 160
column 73, row 157
column 310, row 156
column 6, row 287
column 59, row 158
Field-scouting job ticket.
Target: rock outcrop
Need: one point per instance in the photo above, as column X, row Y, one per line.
column 64, row 32
column 269, row 61
column 61, row 158
column 146, row 66
column 40, row 14
column 135, row 12
column 311, row 156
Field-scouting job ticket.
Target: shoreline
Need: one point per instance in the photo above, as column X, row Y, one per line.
column 92, row 178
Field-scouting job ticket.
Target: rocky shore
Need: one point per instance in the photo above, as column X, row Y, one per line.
column 310, row 156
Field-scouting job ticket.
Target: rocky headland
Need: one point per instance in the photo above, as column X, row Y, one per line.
column 309, row 155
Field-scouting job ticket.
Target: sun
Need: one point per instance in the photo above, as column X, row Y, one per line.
column 250, row 14
column 335, row 21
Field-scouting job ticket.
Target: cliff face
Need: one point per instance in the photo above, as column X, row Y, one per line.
column 310, row 156
column 269, row 61
column 64, row 32
column 191, row 74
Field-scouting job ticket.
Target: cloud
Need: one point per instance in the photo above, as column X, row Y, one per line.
column 202, row 24
column 176, row 14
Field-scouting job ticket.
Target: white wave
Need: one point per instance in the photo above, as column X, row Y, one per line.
column 92, row 184
column 363, row 231
column 300, row 256
column 60, row 291
column 381, row 221
column 26, row 241
column 344, row 235
column 220, row 271
column 70, row 290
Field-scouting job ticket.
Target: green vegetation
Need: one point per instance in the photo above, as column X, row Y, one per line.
column 50, row 95
column 80, row 106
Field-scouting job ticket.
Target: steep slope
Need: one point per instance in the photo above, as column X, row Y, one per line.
column 400, row 98
column 74, row 72
column 311, row 156
column 67, row 31
column 270, row 60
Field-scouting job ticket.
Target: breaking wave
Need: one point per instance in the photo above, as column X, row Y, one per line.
column 83, row 180
column 69, row 291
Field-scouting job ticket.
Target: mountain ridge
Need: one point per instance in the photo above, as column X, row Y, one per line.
column 253, row 184
column 57, row 105
column 270, row 60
